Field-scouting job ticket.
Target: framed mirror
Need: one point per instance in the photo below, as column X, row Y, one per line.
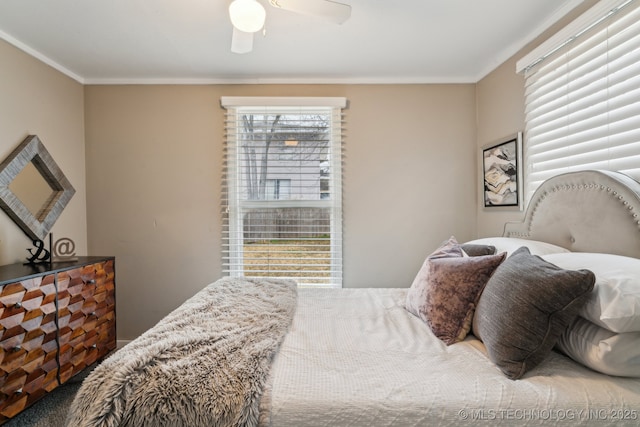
column 33, row 189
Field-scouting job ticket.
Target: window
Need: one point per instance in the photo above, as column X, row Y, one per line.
column 582, row 96
column 282, row 192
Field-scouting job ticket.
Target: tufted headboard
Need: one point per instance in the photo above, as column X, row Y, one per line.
column 586, row 211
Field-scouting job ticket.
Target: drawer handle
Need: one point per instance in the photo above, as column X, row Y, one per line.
column 17, row 348
column 91, row 282
column 18, row 305
column 93, row 313
column 19, row 391
column 94, row 346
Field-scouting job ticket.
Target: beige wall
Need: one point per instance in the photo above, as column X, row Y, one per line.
column 36, row 99
column 500, row 113
column 154, row 157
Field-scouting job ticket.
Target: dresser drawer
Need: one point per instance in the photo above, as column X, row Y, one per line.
column 86, row 316
column 28, row 347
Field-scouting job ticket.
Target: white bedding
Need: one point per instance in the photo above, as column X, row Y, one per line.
column 356, row 357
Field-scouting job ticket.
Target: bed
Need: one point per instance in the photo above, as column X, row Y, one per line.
column 358, row 357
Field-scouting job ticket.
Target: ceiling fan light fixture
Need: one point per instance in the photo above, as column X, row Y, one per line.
column 247, row 15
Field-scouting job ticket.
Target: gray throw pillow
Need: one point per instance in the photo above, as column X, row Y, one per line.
column 525, row 306
column 473, row 249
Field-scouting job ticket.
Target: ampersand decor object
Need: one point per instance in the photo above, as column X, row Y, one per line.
column 41, row 253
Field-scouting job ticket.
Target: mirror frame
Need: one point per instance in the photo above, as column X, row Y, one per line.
column 31, row 150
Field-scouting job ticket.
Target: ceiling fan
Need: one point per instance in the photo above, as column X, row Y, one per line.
column 248, row 17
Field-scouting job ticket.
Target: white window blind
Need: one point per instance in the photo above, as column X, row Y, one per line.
column 582, row 101
column 282, row 190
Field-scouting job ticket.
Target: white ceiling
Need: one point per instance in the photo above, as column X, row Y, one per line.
column 188, row 41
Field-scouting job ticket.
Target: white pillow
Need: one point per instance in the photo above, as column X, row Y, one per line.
column 615, row 300
column 602, row 350
column 510, row 244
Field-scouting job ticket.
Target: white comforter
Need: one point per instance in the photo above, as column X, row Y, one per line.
column 355, row 357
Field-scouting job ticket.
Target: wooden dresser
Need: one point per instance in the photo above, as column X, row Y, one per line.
column 55, row 320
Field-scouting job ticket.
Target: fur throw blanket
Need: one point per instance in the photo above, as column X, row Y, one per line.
column 204, row 364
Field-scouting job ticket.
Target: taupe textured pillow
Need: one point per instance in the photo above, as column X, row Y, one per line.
column 416, row 296
column 446, row 290
column 452, row 292
column 525, row 306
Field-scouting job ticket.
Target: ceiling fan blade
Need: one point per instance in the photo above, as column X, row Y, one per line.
column 241, row 42
column 326, row 9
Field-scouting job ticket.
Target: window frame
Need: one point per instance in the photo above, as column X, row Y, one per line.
column 234, row 206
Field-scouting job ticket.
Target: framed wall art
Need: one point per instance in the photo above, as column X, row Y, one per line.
column 502, row 173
